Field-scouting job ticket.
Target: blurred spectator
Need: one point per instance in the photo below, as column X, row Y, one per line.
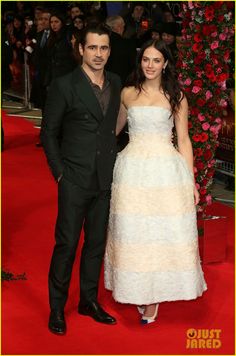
column 75, row 40
column 134, row 25
column 22, row 8
column 75, row 10
column 168, row 16
column 169, row 32
column 154, row 33
column 60, row 60
column 39, row 60
column 79, row 22
column 38, row 10
column 156, row 12
column 123, row 50
column 6, row 60
column 6, row 76
column 98, row 11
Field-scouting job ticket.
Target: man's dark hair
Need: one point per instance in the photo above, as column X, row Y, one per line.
column 96, row 27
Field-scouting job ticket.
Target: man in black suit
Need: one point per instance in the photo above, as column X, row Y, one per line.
column 78, row 136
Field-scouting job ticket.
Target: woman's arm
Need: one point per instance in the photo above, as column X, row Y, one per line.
column 122, row 116
column 183, row 139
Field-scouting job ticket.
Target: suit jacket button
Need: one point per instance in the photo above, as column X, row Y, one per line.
column 111, row 151
column 86, row 116
column 98, row 132
column 112, row 131
column 98, row 152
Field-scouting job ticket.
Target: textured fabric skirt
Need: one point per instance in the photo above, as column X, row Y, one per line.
column 152, row 245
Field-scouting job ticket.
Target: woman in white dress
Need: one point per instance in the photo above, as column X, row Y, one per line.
column 152, row 248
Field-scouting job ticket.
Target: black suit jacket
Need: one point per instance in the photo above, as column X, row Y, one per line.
column 77, row 138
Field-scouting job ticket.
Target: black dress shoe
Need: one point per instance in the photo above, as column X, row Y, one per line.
column 94, row 310
column 57, row 324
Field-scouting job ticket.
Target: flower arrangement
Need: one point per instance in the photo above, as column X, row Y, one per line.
column 203, row 64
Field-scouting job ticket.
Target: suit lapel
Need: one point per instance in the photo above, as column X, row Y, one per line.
column 85, row 92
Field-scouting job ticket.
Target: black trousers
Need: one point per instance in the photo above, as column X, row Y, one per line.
column 78, row 208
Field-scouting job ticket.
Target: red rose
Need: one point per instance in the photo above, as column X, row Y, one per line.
column 190, row 125
column 206, row 30
column 220, row 18
column 204, row 137
column 198, row 152
column 187, row 89
column 197, row 47
column 211, row 76
column 210, row 173
column 194, row 111
column 201, row 102
column 196, row 137
column 199, row 165
column 197, row 37
column 213, row 28
column 209, row 13
column 222, row 77
column 217, row 4
column 203, row 191
column 204, row 182
column 198, row 83
column 214, row 58
column 197, row 60
column 202, row 55
column 226, row 54
column 207, row 155
column 208, row 68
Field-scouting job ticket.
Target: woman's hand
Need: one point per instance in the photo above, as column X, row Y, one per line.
column 196, row 195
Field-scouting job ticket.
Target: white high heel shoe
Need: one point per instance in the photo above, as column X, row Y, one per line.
column 149, row 319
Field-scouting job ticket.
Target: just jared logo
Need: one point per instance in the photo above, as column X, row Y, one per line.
column 203, row 339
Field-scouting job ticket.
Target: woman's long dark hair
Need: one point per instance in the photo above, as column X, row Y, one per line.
column 169, row 82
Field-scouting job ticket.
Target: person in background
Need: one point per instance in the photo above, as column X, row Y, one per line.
column 78, row 136
column 123, row 50
column 75, row 10
column 6, row 75
column 168, row 16
column 39, row 59
column 168, row 35
column 60, row 59
column 79, row 22
column 133, row 21
column 153, row 33
column 75, row 41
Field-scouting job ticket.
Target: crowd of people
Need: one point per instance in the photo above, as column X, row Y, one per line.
column 49, row 32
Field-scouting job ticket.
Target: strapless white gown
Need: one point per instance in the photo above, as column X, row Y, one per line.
column 152, row 247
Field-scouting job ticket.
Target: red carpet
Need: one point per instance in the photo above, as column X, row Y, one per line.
column 28, row 216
